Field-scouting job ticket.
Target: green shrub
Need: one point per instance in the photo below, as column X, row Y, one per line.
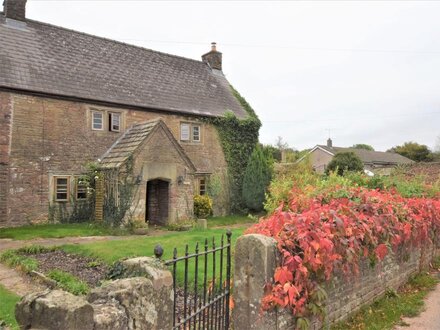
column 257, row 178
column 69, row 282
column 345, row 162
column 202, row 206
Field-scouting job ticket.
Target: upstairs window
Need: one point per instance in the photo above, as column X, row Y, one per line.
column 184, row 132
column 97, row 120
column 62, row 189
column 81, row 189
column 196, row 133
column 190, row 132
column 114, row 122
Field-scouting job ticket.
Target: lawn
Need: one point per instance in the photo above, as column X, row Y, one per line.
column 7, row 307
column 88, row 229
column 58, row 231
column 112, row 251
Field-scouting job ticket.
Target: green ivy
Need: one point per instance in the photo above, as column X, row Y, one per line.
column 238, row 138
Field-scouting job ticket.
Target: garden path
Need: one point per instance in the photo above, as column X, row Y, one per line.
column 429, row 319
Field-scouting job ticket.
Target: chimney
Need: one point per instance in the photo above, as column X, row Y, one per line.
column 329, row 143
column 213, row 58
column 15, row 9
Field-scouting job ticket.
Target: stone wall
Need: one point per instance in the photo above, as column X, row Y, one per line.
column 144, row 302
column 54, row 137
column 255, row 262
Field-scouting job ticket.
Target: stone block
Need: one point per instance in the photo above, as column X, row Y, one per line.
column 255, row 262
column 146, row 306
column 149, row 267
column 53, row 310
column 109, row 315
column 202, row 224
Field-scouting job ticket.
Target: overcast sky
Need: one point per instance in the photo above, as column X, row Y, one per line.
column 367, row 71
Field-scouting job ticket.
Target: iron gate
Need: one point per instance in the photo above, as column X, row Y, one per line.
column 202, row 297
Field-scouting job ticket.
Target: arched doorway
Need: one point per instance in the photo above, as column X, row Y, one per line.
column 157, row 202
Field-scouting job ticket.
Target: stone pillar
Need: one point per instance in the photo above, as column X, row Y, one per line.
column 255, row 263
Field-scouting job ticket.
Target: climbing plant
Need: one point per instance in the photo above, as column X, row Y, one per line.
column 238, row 138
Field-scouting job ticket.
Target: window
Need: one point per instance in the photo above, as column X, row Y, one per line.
column 202, row 186
column 62, row 189
column 97, row 120
column 196, row 133
column 114, row 122
column 184, row 132
column 81, row 189
column 190, row 132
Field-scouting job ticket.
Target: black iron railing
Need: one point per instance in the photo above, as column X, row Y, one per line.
column 202, row 296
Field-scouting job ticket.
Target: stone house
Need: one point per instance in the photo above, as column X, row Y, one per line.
column 68, row 98
column 374, row 161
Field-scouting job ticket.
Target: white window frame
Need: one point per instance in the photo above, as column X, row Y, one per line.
column 101, row 113
column 185, row 136
column 56, row 191
column 112, row 117
column 199, row 138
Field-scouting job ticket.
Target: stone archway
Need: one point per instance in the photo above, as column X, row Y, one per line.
column 157, row 202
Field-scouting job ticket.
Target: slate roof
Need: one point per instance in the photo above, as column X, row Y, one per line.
column 371, row 157
column 132, row 139
column 48, row 59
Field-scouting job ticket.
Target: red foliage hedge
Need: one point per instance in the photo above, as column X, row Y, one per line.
column 319, row 235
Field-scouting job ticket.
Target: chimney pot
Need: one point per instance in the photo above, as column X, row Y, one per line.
column 329, row 143
column 15, row 9
column 213, row 58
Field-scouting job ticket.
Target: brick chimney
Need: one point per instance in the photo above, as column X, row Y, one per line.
column 15, row 9
column 213, row 58
column 329, row 143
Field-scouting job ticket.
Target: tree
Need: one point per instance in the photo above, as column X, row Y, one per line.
column 414, row 151
column 362, row 146
column 345, row 161
column 256, row 179
column 273, row 150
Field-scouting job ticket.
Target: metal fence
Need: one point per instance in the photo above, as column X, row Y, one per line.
column 202, row 283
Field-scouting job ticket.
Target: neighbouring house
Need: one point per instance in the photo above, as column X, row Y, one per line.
column 378, row 162
column 68, row 98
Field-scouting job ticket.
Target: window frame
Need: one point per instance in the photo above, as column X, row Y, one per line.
column 191, row 130
column 199, row 133
column 188, row 139
column 113, row 115
column 205, row 186
column 77, row 180
column 102, row 113
column 56, row 191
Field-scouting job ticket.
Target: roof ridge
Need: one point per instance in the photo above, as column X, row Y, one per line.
column 112, row 40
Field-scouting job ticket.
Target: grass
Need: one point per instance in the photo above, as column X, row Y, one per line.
column 58, row 231
column 68, row 282
column 89, row 229
column 386, row 312
column 229, row 220
column 14, row 259
column 112, row 251
column 7, row 308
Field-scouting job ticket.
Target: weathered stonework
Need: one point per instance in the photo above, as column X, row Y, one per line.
column 255, row 263
column 144, row 302
column 51, row 137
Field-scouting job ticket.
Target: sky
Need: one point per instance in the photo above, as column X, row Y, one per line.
column 357, row 71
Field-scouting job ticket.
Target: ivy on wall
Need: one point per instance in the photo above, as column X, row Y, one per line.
column 238, row 138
